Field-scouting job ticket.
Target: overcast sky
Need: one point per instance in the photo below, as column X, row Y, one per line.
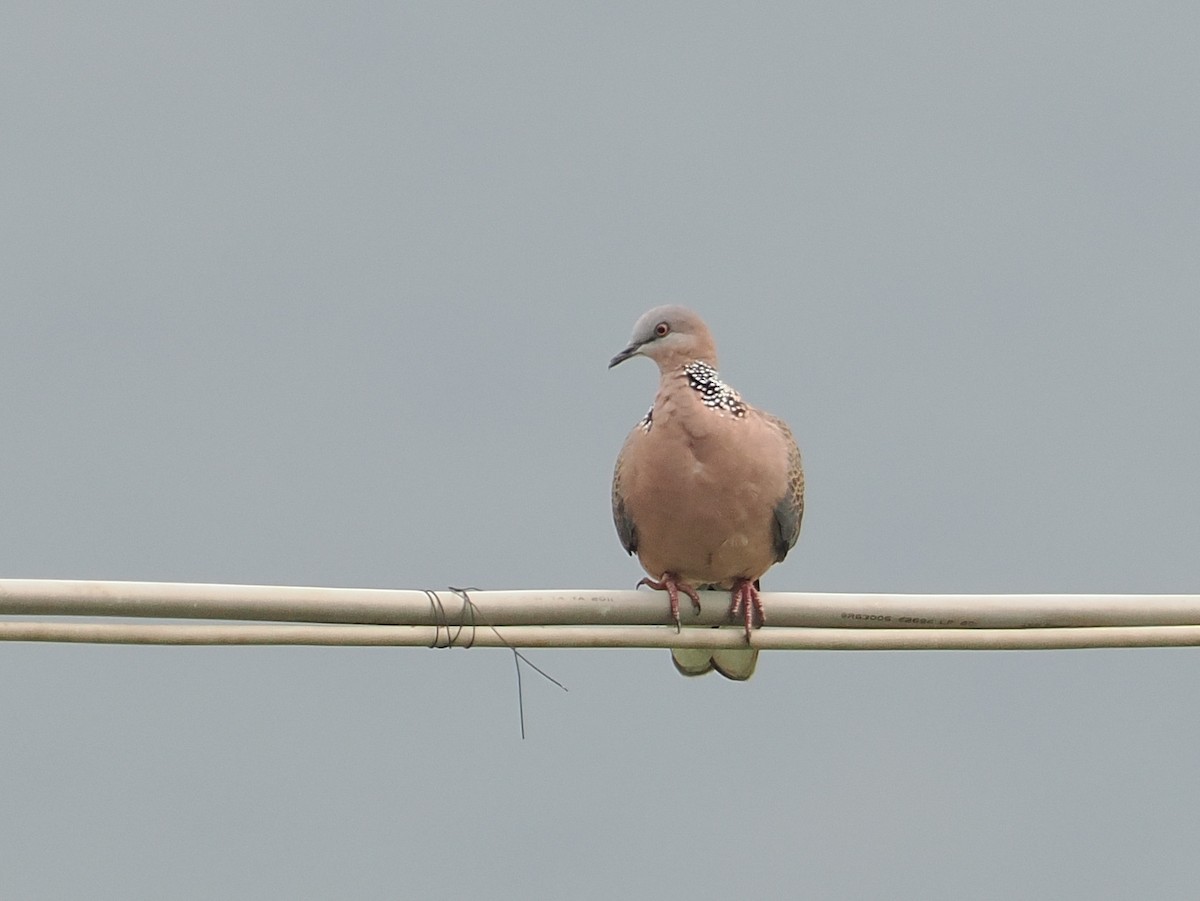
column 324, row 294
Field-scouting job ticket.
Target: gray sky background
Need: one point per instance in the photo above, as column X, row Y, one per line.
column 312, row 294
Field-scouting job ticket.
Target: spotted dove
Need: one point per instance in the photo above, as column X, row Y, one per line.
column 708, row 491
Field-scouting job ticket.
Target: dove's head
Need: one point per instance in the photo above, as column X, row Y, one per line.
column 671, row 336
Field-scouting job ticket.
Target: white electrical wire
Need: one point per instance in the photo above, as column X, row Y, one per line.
column 780, row 638
column 185, row 600
column 584, row 618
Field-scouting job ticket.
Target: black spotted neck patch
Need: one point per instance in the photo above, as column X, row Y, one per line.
column 646, row 421
column 714, row 393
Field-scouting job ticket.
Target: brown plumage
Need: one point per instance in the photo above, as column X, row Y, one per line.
column 708, row 491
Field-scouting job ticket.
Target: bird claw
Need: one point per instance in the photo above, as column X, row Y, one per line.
column 672, row 584
column 745, row 604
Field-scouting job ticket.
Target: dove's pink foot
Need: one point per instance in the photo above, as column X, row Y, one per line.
column 746, row 603
column 672, row 584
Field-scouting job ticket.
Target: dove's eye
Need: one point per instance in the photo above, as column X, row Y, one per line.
column 662, row 329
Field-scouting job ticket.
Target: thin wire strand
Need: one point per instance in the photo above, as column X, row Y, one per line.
column 467, row 602
column 471, row 610
column 520, row 693
column 467, row 612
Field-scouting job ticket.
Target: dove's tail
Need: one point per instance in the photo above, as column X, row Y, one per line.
column 737, row 664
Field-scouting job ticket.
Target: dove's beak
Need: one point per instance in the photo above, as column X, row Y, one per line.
column 631, row 351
